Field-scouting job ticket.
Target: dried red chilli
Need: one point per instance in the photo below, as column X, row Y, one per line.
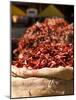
column 44, row 45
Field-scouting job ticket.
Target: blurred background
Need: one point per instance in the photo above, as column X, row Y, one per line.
column 24, row 14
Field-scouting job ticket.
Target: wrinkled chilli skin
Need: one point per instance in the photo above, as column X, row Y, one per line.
column 45, row 44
